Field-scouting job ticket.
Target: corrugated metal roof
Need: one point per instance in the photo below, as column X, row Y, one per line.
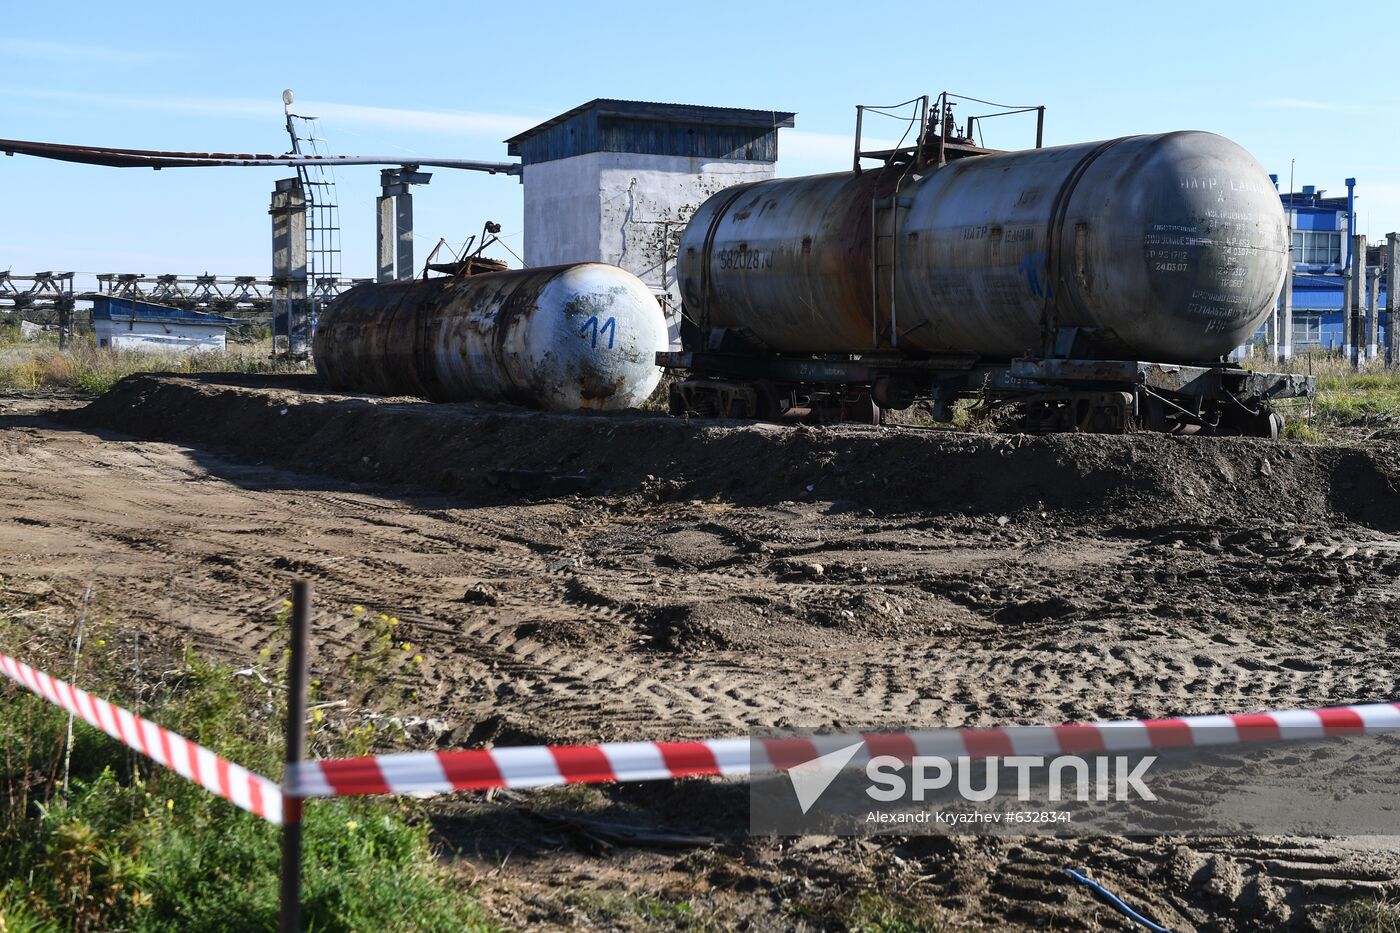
column 666, row 113
column 124, row 309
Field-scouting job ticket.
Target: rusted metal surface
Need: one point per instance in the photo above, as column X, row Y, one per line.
column 786, row 262
column 1168, row 247
column 560, row 338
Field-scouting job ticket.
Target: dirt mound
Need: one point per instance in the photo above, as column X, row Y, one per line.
column 490, row 454
column 925, row 579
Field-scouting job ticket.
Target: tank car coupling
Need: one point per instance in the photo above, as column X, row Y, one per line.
column 889, row 392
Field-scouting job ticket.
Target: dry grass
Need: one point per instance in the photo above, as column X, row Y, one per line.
column 27, row 367
column 1348, row 402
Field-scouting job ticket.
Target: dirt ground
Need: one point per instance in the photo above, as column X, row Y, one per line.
column 583, row 578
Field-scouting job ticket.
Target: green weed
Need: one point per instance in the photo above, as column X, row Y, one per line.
column 133, row 846
column 654, row 913
column 866, row 912
column 1365, row 916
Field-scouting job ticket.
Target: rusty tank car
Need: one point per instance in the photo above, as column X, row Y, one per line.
column 561, row 338
column 1095, row 286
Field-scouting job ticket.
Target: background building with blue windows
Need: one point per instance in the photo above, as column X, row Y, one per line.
column 1322, row 228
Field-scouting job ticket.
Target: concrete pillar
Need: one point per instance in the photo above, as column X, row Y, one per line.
column 1285, row 344
column 1357, row 300
column 1373, row 315
column 289, row 263
column 384, row 239
column 396, row 233
column 1392, row 299
column 403, row 218
column 65, row 321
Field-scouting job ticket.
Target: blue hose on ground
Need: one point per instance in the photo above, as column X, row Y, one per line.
column 1114, row 902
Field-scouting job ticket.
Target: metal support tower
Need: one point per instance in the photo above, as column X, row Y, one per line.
column 322, row 216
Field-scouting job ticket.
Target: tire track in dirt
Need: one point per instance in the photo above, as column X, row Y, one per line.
column 565, row 635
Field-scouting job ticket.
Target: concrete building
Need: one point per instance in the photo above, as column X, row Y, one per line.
column 123, row 324
column 615, row 181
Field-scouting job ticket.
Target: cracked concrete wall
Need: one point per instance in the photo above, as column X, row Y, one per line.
column 624, row 208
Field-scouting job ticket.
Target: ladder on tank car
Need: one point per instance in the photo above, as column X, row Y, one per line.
column 886, row 211
column 938, row 142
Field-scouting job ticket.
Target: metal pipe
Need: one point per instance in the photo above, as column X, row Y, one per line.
column 290, row 919
column 860, row 114
column 1346, row 308
column 1287, row 342
column 1356, row 312
column 1351, row 216
column 1286, row 325
column 1040, row 127
column 942, row 130
column 158, row 159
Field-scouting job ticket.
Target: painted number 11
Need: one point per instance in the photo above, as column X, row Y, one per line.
column 591, row 328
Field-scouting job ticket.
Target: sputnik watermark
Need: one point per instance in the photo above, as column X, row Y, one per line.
column 1067, row 777
column 1218, row 784
column 1114, row 777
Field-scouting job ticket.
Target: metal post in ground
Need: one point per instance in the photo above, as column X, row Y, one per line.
column 1346, row 314
column 290, row 920
column 1285, row 343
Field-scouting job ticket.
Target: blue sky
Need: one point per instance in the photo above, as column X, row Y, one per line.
column 456, row 79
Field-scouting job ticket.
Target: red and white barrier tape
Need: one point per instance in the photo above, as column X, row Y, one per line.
column 245, row 789
column 539, row 766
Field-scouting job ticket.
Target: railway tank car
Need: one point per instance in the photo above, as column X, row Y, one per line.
column 560, row 338
column 1097, row 286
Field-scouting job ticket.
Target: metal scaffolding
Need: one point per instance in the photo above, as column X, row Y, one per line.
column 322, row 212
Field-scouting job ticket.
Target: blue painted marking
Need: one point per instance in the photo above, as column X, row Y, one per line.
column 1029, row 266
column 609, row 327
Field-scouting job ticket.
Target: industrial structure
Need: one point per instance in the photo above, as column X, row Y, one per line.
column 1095, row 286
column 306, row 249
column 608, row 181
column 616, row 181
column 124, row 324
column 1321, row 306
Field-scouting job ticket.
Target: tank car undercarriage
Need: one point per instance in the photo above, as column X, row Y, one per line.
column 1047, row 395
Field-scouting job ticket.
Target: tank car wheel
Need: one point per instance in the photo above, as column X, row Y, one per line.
column 860, row 409
column 675, row 402
column 1264, row 424
column 1152, row 414
column 766, row 405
